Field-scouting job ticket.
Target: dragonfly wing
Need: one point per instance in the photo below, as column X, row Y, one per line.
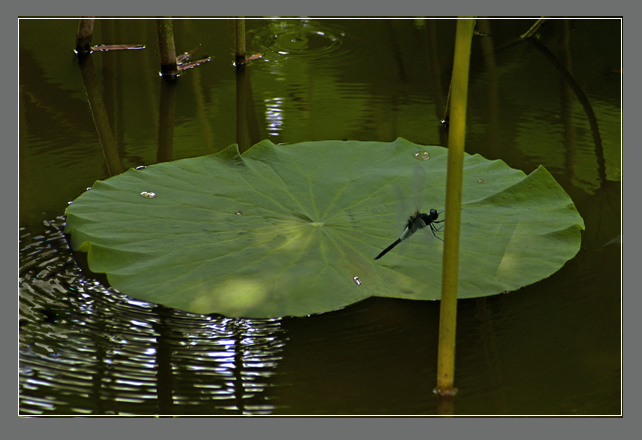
column 418, row 186
column 403, row 212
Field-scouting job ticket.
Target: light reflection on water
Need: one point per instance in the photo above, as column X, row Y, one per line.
column 274, row 114
column 100, row 353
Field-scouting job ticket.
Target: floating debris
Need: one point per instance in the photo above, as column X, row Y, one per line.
column 110, row 47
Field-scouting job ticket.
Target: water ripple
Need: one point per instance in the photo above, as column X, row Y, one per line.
column 88, row 349
column 315, row 40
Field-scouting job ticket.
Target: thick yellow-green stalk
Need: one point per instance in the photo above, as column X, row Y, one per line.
column 456, row 136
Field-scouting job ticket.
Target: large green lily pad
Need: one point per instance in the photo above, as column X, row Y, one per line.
column 293, row 230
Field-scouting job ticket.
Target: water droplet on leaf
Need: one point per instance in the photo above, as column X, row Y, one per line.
column 148, row 194
column 422, row 155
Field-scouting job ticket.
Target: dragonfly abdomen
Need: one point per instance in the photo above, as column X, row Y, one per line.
column 385, row 251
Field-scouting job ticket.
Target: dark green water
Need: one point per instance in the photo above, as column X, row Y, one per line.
column 552, row 348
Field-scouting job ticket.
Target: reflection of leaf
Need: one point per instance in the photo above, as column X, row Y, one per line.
column 283, row 230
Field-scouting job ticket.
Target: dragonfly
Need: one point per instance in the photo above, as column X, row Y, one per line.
column 418, row 220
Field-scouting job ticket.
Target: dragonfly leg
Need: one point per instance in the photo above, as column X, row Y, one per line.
column 434, row 230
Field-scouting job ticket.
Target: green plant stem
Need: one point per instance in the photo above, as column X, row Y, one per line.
column 83, row 36
column 533, row 29
column 166, row 48
column 239, row 58
column 581, row 96
column 456, row 135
